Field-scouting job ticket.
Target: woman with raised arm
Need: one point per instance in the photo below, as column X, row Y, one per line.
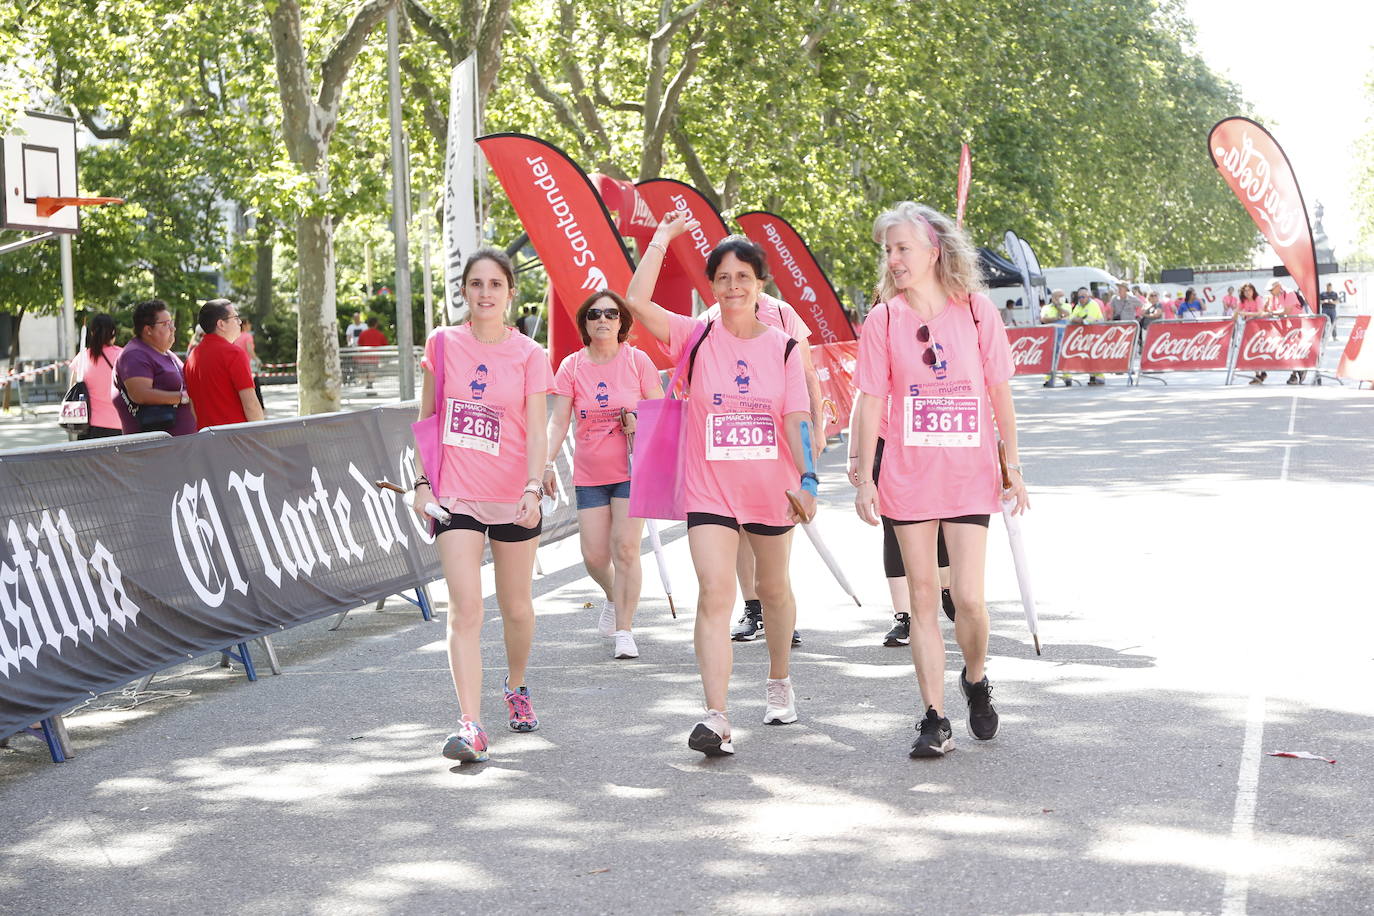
column 745, row 445
column 935, row 355
column 600, row 385
column 493, row 421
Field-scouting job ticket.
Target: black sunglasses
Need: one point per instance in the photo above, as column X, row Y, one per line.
column 923, row 335
column 597, row 314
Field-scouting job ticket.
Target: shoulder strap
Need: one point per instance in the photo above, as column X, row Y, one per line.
column 787, row 350
column 692, row 359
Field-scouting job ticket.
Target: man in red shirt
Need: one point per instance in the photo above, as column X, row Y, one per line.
column 372, row 337
column 218, row 376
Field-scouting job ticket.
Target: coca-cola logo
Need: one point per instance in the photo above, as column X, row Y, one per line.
column 1028, row 351
column 1109, row 343
column 1203, row 346
column 1254, row 183
column 1293, row 344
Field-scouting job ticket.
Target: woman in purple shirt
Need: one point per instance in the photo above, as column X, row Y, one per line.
column 149, row 373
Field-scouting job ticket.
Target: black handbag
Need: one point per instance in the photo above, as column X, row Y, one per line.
column 151, row 418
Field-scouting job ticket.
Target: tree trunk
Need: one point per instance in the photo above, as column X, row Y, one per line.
column 263, row 302
column 317, row 346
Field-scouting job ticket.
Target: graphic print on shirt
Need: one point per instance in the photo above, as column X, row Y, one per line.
column 742, row 376
column 744, row 430
column 941, row 367
column 603, row 396
column 471, row 424
column 478, row 385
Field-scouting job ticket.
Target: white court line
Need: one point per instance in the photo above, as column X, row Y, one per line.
column 1288, row 449
column 1235, row 896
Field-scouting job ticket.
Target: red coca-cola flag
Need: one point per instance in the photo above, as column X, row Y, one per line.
column 1281, row 343
column 835, row 368
column 965, row 177
column 1357, row 360
column 800, row 279
column 1256, row 169
column 1032, row 349
column 569, row 226
column 1106, row 347
column 663, row 195
column 1187, row 345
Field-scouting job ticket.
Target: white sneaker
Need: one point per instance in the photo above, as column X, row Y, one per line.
column 625, row 645
column 712, row 735
column 605, row 625
column 782, row 702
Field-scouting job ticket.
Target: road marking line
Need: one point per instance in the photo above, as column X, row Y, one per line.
column 1235, row 896
column 1288, row 449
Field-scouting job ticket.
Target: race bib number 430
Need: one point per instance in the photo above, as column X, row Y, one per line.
column 941, row 422
column 471, row 425
column 740, row 436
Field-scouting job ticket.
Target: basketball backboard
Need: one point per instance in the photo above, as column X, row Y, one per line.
column 38, row 159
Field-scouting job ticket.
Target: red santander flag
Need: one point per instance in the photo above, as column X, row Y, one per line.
column 663, row 196
column 803, row 284
column 1252, row 163
column 965, row 178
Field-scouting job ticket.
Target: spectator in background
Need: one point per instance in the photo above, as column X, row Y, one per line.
column 1329, row 300
column 352, row 332
column 525, row 323
column 248, row 344
column 1282, row 303
column 1124, row 306
column 1086, row 309
column 1190, row 307
column 1055, row 312
column 372, row 336
column 1249, row 305
column 219, row 378
column 94, row 365
column 1152, row 311
column 148, row 375
column 1229, row 302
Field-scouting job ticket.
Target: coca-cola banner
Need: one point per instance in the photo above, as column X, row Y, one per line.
column 1104, row 347
column 800, row 279
column 121, row 559
column 1280, row 343
column 1252, row 163
column 1190, row 345
column 1032, row 349
column 664, row 195
column 568, row 225
column 1357, row 360
column 835, row 368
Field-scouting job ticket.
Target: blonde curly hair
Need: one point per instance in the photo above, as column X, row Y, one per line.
column 957, row 267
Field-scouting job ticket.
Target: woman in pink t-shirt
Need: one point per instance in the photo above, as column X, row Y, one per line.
column 1250, row 306
column 600, row 383
column 744, row 448
column 493, row 420
column 94, row 365
column 939, row 350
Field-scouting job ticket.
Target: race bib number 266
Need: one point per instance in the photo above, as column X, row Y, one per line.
column 941, row 422
column 471, row 425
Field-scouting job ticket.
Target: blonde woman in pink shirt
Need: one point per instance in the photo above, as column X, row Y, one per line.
column 494, row 416
column 745, row 445
column 937, row 347
column 598, row 385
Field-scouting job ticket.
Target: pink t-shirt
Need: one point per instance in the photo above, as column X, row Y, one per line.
column 773, row 312
column 1170, row 308
column 940, row 460
column 1249, row 306
column 598, row 393
column 485, row 389
column 1228, row 304
column 1286, row 304
column 737, row 462
column 98, row 375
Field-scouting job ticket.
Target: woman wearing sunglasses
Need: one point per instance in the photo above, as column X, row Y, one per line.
column 599, row 384
column 745, row 445
column 937, row 347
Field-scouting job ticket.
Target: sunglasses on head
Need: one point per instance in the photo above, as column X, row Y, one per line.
column 596, row 314
column 923, row 335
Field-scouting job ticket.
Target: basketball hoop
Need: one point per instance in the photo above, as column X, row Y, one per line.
column 47, row 206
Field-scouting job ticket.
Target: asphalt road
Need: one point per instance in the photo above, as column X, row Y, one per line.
column 1202, row 563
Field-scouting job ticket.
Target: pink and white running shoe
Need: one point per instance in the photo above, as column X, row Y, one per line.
column 522, row 717
column 468, row 744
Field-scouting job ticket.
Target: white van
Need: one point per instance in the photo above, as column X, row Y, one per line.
column 1098, row 281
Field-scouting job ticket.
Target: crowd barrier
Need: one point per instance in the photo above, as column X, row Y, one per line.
column 121, row 557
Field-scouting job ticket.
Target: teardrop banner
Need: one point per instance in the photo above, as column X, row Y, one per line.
column 569, row 226
column 965, row 178
column 800, row 279
column 664, row 195
column 1253, row 164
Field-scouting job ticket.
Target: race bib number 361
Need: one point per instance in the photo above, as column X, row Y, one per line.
column 740, row 436
column 941, row 422
column 471, row 425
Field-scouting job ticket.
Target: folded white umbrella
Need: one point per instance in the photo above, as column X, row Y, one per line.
column 1018, row 557
column 813, row 534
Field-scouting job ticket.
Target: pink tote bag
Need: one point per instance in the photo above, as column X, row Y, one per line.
column 656, row 478
column 429, row 432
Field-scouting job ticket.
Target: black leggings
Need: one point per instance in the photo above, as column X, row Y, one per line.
column 893, row 567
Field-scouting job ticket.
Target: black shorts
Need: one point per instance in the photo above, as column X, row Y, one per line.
column 983, row 520
column 893, row 566
column 707, row 518
column 506, row 534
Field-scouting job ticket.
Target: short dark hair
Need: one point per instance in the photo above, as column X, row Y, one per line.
column 145, row 314
column 627, row 320
column 212, row 313
column 372, row 321
column 747, row 250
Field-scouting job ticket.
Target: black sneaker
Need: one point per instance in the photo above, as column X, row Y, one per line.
column 900, row 634
column 750, row 625
column 934, row 736
column 947, row 603
column 982, row 718
column 796, row 638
